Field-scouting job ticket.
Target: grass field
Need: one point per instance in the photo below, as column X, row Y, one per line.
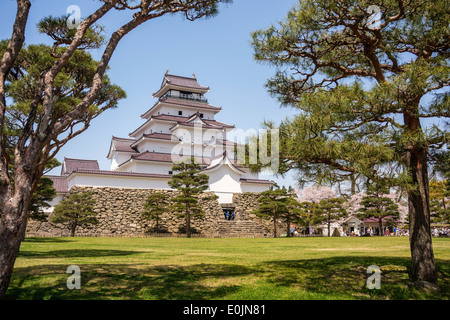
column 215, row 269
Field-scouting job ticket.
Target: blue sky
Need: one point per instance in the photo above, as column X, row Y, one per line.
column 217, row 50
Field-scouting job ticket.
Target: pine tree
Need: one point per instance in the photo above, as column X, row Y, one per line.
column 363, row 91
column 190, row 182
column 376, row 204
column 76, row 210
column 62, row 102
column 309, row 213
column 155, row 206
column 329, row 211
column 277, row 204
column 42, row 197
column 439, row 201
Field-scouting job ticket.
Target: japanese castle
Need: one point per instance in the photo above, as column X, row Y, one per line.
column 180, row 125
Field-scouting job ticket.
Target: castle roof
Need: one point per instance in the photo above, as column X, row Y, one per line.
column 70, row 165
column 179, row 82
column 122, row 173
column 59, row 183
column 163, row 157
column 184, row 81
column 180, row 120
column 182, row 103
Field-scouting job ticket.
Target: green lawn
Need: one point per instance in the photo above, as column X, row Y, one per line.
column 233, row 268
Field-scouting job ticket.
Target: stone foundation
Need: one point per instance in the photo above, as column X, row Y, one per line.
column 119, row 215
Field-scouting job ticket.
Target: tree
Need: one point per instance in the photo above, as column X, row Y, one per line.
column 362, row 88
column 309, row 214
column 293, row 212
column 155, row 206
column 277, row 204
column 331, row 210
column 76, row 210
column 376, row 205
column 42, row 196
column 191, row 183
column 439, row 202
column 47, row 127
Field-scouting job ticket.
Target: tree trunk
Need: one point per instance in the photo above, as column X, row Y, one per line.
column 274, row 223
column 329, row 229
column 423, row 264
column 72, row 229
column 14, row 217
column 288, row 233
column 380, row 225
column 188, row 221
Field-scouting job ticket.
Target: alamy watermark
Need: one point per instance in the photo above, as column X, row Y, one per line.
column 243, row 148
column 74, row 19
column 374, row 281
column 73, row 281
column 374, row 20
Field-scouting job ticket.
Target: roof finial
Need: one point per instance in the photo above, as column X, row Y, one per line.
column 167, row 71
column 194, row 76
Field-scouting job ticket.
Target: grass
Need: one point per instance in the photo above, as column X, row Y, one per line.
column 218, row 269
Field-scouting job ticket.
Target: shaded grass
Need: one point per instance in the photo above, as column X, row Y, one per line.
column 215, row 269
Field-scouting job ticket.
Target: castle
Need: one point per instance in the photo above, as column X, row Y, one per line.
column 180, row 125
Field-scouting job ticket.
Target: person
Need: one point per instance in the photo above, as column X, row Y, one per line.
column 292, row 230
column 232, row 216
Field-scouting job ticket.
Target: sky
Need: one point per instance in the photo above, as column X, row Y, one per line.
column 216, row 50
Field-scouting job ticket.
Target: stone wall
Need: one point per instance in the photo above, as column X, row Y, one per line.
column 245, row 204
column 119, row 214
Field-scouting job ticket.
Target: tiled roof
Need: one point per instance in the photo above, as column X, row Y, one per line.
column 156, row 135
column 183, row 82
column 256, row 181
column 183, row 121
column 121, row 173
column 164, row 157
column 59, row 183
column 70, row 165
column 123, row 144
column 189, row 103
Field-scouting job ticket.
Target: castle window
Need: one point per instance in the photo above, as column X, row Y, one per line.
column 201, row 115
column 180, row 113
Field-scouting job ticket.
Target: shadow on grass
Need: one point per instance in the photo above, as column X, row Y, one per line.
column 46, row 240
column 75, row 253
column 346, row 277
column 125, row 282
column 333, row 278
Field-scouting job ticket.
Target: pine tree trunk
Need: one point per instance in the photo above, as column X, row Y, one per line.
column 14, row 216
column 274, row 224
column 423, row 264
column 72, row 229
column 188, row 221
column 288, row 233
column 12, row 232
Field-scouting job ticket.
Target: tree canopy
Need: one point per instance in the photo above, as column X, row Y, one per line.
column 363, row 91
column 190, row 182
column 75, row 210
